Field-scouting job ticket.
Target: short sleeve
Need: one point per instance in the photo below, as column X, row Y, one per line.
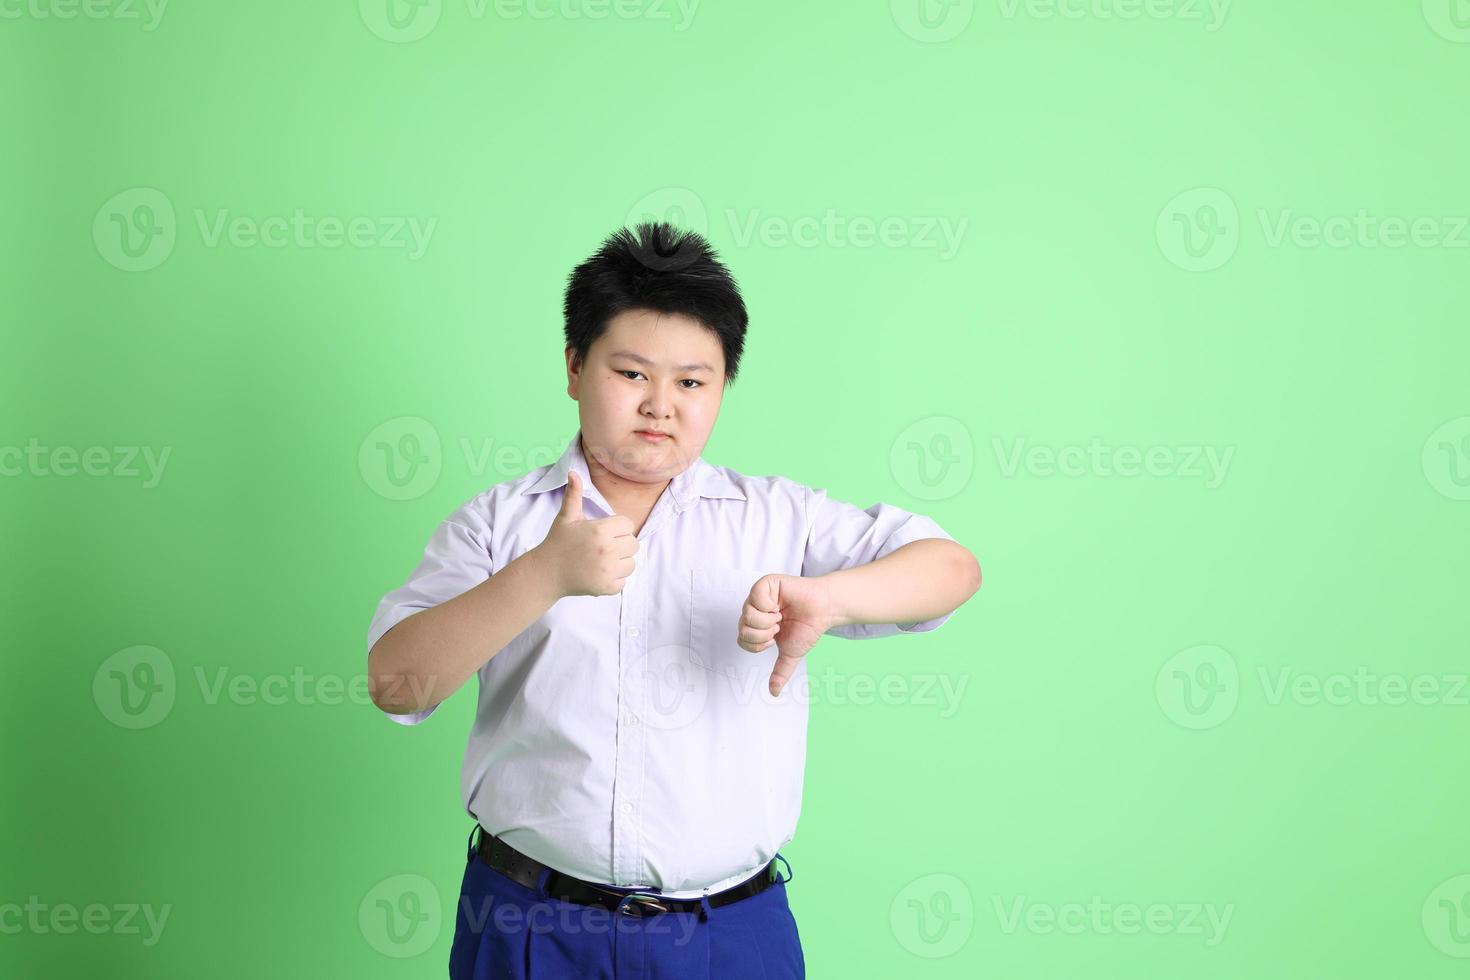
column 841, row 535
column 456, row 559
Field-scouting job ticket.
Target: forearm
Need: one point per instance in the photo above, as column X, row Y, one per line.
column 428, row 656
column 922, row 580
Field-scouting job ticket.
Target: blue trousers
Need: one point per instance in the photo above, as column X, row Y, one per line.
column 506, row 931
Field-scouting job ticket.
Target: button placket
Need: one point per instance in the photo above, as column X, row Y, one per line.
column 628, row 780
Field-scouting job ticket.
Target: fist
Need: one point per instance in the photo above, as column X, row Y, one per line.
column 790, row 611
column 588, row 557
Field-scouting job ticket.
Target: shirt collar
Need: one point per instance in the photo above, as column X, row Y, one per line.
column 699, row 479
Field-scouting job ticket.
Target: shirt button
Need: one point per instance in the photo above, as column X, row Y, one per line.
column 627, row 808
column 632, row 631
column 632, row 719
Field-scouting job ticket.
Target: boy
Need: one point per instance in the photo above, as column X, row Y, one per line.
column 635, row 615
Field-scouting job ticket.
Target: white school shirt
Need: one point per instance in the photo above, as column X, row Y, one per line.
column 629, row 739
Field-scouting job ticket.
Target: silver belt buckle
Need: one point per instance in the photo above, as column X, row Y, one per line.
column 647, row 901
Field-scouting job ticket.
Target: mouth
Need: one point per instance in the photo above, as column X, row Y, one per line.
column 650, row 436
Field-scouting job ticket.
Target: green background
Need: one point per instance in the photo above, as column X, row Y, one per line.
column 1076, row 764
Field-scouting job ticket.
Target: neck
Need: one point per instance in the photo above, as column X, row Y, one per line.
column 618, row 492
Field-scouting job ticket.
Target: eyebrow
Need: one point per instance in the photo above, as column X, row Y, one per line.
column 640, row 359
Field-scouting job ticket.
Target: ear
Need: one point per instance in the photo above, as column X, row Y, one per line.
column 574, row 372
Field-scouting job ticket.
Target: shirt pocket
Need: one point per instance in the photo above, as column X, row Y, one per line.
column 717, row 596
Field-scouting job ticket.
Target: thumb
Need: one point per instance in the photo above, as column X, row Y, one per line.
column 571, row 501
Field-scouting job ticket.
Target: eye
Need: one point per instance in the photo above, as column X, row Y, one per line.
column 693, row 381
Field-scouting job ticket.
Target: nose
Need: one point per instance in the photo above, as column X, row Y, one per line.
column 657, row 402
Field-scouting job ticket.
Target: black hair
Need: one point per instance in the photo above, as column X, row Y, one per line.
column 661, row 268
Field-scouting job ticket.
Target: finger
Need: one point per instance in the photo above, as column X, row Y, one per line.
column 571, row 501
column 763, row 595
column 756, row 640
column 781, row 673
column 758, row 618
column 621, row 526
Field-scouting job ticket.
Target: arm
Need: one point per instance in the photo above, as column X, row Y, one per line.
column 919, row 581
column 428, row 656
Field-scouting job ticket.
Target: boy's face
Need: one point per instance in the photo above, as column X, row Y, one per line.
column 676, row 388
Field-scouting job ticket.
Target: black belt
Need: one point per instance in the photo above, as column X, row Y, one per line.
column 526, row 870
